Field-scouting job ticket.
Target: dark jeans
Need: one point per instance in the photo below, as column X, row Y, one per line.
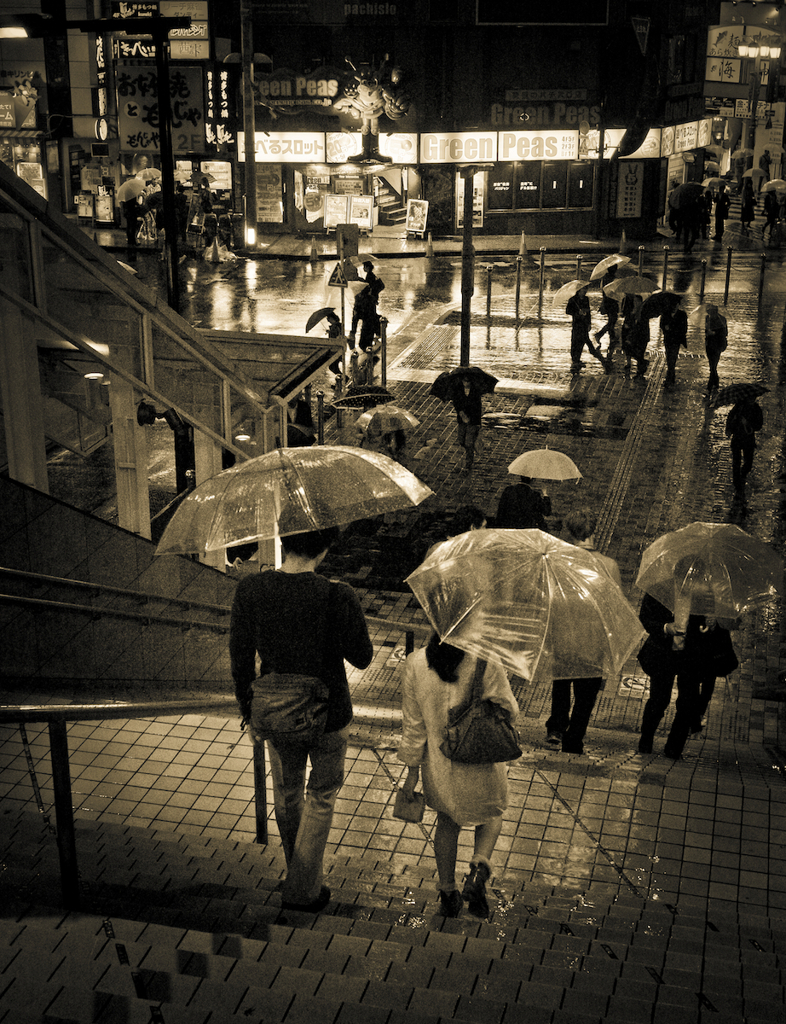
column 694, row 692
column 741, row 463
column 572, row 725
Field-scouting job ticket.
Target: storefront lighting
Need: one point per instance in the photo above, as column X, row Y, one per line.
column 242, row 434
column 93, row 375
column 251, row 236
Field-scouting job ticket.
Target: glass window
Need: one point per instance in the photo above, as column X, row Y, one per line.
column 500, row 187
column 555, row 184
column 528, row 185
column 580, row 183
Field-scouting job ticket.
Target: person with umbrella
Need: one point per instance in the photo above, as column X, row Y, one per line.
column 578, row 309
column 722, row 207
column 364, row 312
column 467, row 401
column 128, row 196
column 635, row 333
column 522, row 507
column 302, row 626
column 716, row 338
column 683, row 644
column 610, row 308
column 747, row 204
column 564, row 726
column 745, row 419
column 437, row 678
column 674, row 325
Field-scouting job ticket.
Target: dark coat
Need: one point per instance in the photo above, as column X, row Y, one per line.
column 703, row 650
column 522, row 507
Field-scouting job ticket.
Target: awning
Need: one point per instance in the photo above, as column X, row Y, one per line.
column 20, row 133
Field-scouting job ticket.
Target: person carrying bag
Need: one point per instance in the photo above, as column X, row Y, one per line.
column 438, row 685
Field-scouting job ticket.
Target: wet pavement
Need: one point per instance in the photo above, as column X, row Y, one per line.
column 628, row 887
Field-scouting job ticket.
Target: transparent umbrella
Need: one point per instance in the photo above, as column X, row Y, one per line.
column 542, row 608
column 290, row 490
column 606, row 264
column 545, row 464
column 723, row 570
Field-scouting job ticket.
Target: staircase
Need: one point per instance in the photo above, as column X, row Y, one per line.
column 187, row 930
column 392, row 208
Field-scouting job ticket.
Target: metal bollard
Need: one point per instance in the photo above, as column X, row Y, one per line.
column 703, row 280
column 519, row 261
column 665, row 267
column 761, row 274
column 383, row 353
column 728, row 276
column 578, row 267
column 488, row 291
column 641, row 260
column 542, row 272
column 320, row 417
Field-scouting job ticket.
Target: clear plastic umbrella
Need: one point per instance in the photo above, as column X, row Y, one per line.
column 630, row 286
column 386, row 418
column 567, row 291
column 542, row 608
column 723, row 570
column 290, row 490
column 606, row 264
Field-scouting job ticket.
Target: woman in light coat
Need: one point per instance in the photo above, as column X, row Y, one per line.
column 437, row 678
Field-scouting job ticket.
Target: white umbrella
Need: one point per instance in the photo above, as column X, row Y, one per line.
column 290, row 490
column 545, row 464
column 753, row 172
column 605, row 264
column 131, row 189
column 775, row 185
column 630, row 286
column 567, row 291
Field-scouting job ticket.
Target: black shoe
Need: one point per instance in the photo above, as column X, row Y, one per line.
column 645, row 746
column 475, row 890
column 669, row 752
column 450, row 903
column 314, row 907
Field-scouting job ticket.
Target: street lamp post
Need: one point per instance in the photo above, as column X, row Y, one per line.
column 758, row 52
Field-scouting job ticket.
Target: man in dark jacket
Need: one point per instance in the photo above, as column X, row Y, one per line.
column 522, row 507
column 722, row 207
column 742, row 424
column 693, row 648
column 301, row 626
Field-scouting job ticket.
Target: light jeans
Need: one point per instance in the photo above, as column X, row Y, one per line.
column 304, row 821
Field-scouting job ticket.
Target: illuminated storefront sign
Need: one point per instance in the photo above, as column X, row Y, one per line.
column 558, row 145
column 649, row 149
column 286, row 147
column 457, row 147
column 283, row 89
column 401, row 147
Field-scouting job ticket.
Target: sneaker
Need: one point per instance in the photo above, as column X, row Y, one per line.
column 554, row 738
column 450, row 903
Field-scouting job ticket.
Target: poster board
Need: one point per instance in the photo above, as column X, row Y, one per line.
column 361, row 212
column 417, row 216
column 336, row 210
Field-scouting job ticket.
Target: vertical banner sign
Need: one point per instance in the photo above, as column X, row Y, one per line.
column 137, row 107
column 641, row 26
column 630, row 188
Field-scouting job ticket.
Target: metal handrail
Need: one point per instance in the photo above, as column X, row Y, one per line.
column 116, row 613
column 105, row 588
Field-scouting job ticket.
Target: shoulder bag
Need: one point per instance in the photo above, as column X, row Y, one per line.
column 480, row 732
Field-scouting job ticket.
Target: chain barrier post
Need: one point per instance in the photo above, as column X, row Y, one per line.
column 703, row 280
column 578, row 267
column 488, row 291
column 383, row 354
column 320, row 417
column 761, row 274
column 542, row 273
column 519, row 261
column 641, row 260
column 665, row 267
column 728, row 276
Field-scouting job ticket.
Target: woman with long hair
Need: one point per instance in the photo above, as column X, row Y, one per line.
column 437, row 678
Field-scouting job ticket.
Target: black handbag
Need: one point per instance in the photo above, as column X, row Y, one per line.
column 480, row 731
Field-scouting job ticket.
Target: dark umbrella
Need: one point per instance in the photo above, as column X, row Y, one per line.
column 444, row 386
column 315, row 317
column 363, row 396
column 685, row 194
column 659, row 303
column 734, row 393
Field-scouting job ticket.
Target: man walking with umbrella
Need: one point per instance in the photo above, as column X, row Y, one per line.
column 722, row 207
column 745, row 419
column 578, row 309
